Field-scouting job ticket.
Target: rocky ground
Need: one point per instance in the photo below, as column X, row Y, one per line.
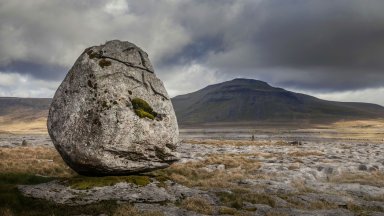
column 335, row 175
column 239, row 177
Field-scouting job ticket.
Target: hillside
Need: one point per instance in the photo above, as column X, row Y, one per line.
column 23, row 114
column 238, row 100
column 246, row 100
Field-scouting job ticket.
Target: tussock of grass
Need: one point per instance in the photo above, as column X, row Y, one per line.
column 6, row 212
column 192, row 174
column 129, row 210
column 309, row 205
column 237, row 197
column 33, row 160
column 301, row 186
column 85, row 183
column 367, row 210
column 197, row 204
column 277, row 213
column 227, row 210
column 22, row 178
column 373, row 178
column 305, row 153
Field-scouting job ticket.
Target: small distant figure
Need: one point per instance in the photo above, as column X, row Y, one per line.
column 296, row 143
column 24, row 143
column 253, row 137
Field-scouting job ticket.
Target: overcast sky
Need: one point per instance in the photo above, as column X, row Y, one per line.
column 333, row 49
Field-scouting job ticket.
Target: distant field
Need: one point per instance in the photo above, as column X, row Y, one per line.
column 35, row 126
column 347, row 129
column 352, row 131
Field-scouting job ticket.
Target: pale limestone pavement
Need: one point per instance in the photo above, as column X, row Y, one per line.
column 308, row 174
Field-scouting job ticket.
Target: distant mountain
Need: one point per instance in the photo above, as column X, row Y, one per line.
column 247, row 100
column 23, row 109
column 238, row 100
column 24, row 115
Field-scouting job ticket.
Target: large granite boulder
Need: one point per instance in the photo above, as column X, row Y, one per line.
column 111, row 115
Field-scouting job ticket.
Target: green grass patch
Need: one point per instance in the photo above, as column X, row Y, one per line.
column 84, row 182
column 22, row 179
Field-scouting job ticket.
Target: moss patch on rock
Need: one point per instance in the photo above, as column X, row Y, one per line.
column 143, row 109
column 104, row 63
column 85, row 183
column 92, row 54
column 142, row 114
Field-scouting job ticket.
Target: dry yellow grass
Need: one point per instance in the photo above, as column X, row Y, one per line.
column 378, row 123
column 197, row 204
column 227, row 210
column 379, row 198
column 302, row 187
column 277, row 213
column 36, row 126
column 294, row 166
column 368, row 130
column 193, row 173
column 220, row 142
column 6, row 212
column 305, row 153
column 227, row 142
column 129, row 210
column 372, row 178
column 34, row 160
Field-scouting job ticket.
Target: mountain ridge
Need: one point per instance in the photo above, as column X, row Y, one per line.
column 233, row 101
column 253, row 100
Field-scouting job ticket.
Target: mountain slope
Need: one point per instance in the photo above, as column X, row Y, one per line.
column 238, row 100
column 24, row 114
column 242, row 100
column 24, row 108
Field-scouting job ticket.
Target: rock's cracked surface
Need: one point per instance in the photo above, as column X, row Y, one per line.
column 94, row 124
column 60, row 193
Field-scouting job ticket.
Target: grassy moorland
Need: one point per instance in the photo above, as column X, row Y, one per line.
column 241, row 174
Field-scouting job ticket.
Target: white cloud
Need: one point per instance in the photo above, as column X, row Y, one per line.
column 371, row 95
column 188, row 78
column 116, row 7
column 18, row 85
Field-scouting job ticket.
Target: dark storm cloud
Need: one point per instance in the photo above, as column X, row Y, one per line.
column 336, row 35
column 195, row 51
column 41, row 71
column 324, row 45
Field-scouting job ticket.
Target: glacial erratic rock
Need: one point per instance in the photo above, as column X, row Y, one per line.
column 111, row 115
